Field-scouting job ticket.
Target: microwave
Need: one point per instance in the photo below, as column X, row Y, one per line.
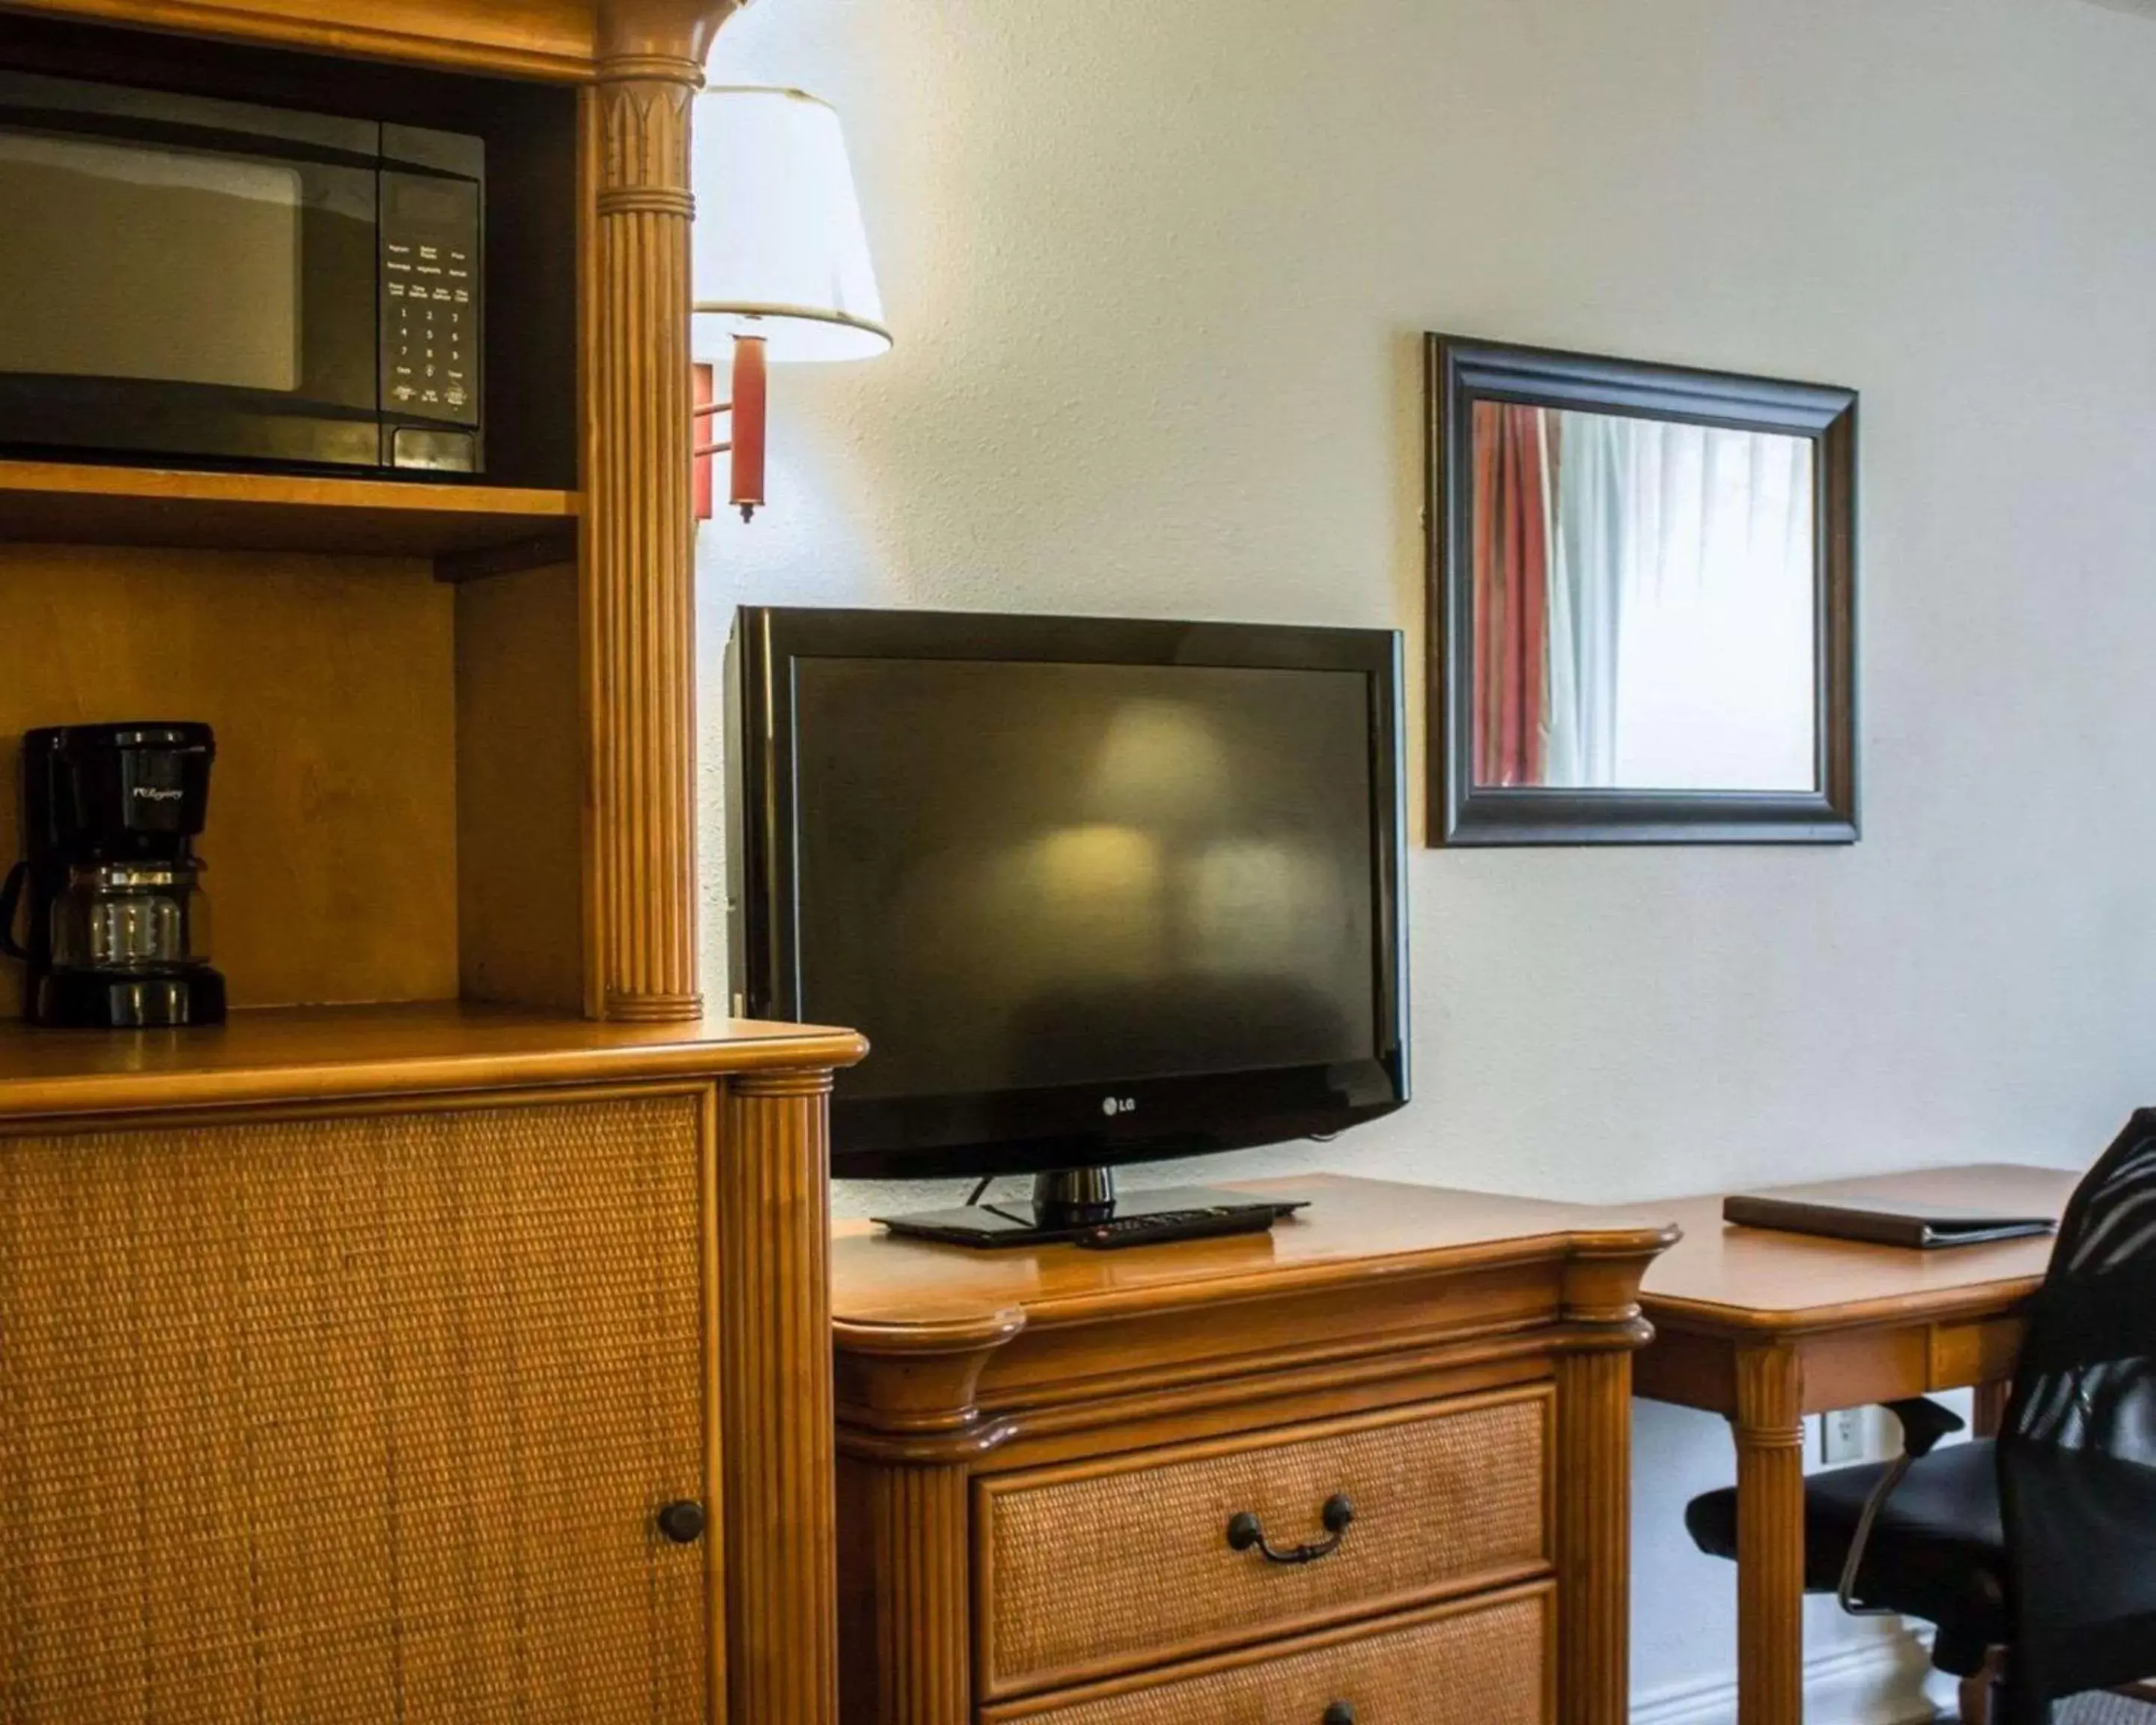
column 214, row 281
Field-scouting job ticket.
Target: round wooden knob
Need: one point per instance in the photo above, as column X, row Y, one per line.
column 682, row 1523
column 1341, row 1712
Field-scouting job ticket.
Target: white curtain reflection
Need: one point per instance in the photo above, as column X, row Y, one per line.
column 1686, row 553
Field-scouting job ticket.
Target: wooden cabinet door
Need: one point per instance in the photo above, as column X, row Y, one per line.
column 364, row 1417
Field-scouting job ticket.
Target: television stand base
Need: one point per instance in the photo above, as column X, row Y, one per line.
column 1093, row 1215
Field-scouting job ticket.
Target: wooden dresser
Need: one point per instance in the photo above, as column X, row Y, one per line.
column 1048, row 1460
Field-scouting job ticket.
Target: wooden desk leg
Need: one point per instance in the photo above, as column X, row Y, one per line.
column 1989, row 1408
column 1770, row 1537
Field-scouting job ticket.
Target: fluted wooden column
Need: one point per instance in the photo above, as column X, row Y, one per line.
column 923, row 1645
column 911, row 1426
column 639, row 537
column 1594, row 1536
column 1594, row 1482
column 777, row 1456
column 1770, row 1537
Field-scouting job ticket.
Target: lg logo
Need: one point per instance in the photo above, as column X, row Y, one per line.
column 1119, row 1104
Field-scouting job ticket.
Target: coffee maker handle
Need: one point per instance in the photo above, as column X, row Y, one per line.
column 11, row 894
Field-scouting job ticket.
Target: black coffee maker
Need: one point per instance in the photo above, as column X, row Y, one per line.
column 114, row 923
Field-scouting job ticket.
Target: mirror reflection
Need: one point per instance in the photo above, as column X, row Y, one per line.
column 1644, row 605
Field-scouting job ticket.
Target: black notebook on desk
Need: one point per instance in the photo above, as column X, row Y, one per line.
column 1883, row 1221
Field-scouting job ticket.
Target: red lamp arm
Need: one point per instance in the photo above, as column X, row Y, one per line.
column 746, row 489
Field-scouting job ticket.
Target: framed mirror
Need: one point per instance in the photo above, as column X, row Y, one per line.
column 1642, row 603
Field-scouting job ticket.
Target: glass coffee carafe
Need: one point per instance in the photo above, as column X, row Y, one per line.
column 132, row 918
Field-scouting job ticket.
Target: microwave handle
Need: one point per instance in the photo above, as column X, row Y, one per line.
column 11, row 895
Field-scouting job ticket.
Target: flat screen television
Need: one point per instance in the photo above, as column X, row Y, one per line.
column 1096, row 891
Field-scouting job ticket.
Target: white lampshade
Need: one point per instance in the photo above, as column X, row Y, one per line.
column 780, row 249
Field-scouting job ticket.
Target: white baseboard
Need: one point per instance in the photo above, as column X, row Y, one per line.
column 1878, row 1681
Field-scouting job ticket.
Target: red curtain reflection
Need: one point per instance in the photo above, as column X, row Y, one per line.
column 1515, row 474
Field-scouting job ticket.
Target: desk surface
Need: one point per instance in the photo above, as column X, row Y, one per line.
column 1724, row 1278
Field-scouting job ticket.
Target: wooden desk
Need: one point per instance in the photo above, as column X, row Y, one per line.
column 1040, row 1449
column 1764, row 1328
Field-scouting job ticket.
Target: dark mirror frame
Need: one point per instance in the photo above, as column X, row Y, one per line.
column 1459, row 373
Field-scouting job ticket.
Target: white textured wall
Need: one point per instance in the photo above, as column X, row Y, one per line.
column 1159, row 273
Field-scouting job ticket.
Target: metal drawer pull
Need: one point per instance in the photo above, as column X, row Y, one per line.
column 1341, row 1712
column 1245, row 1531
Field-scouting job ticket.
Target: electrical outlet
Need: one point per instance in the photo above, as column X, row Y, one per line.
column 1845, row 1436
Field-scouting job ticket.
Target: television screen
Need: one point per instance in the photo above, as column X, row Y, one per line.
column 1031, row 875
column 1067, row 892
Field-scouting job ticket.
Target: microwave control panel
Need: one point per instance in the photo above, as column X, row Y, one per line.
column 430, row 299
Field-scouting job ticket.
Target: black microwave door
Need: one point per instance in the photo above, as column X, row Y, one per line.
column 165, row 299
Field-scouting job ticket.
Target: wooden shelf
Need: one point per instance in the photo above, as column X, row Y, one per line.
column 529, row 39
column 305, row 1054
column 467, row 529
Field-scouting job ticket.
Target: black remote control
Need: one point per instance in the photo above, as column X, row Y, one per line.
column 1175, row 1225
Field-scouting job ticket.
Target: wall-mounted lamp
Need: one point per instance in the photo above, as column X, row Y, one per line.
column 781, row 258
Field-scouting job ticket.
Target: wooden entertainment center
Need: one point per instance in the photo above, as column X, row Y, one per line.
column 447, row 1336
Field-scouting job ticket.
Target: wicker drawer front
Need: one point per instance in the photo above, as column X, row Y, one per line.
column 1485, row 1664
column 320, row 1422
column 1094, row 1568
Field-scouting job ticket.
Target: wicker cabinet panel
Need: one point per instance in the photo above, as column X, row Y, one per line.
column 1489, row 1663
column 1098, row 1567
column 355, row 1420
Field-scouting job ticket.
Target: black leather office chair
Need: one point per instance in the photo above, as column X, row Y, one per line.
column 2042, row 1541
